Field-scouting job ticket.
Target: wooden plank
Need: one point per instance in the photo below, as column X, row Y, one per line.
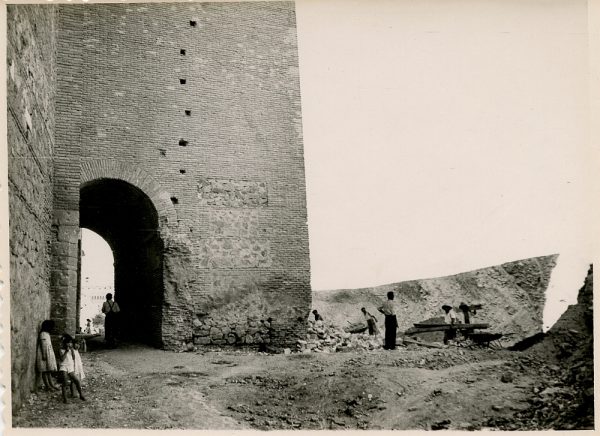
column 474, row 326
column 461, row 327
column 414, row 331
column 421, row 324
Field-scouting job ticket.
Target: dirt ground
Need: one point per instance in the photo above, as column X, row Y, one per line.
column 412, row 387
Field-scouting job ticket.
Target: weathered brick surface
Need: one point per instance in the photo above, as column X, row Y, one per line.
column 204, row 120
column 232, row 193
column 212, row 137
column 31, row 81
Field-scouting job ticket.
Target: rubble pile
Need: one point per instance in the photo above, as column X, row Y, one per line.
column 565, row 398
column 323, row 338
column 573, row 340
column 554, row 404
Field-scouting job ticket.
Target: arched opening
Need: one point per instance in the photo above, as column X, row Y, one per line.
column 97, row 279
column 126, row 218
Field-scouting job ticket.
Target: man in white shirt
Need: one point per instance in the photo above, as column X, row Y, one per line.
column 451, row 319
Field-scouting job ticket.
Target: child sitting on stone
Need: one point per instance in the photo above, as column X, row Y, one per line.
column 68, row 368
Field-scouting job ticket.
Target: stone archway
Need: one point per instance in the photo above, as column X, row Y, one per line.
column 135, row 215
column 132, row 212
column 126, row 218
column 134, row 175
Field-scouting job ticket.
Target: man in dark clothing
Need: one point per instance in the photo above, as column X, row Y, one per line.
column 465, row 310
column 391, row 323
column 110, row 308
column 317, row 315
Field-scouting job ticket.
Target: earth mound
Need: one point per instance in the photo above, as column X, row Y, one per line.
column 512, row 297
column 566, row 400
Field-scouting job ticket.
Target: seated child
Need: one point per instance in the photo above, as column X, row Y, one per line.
column 68, row 356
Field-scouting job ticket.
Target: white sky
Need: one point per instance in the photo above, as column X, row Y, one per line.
column 97, row 264
column 443, row 136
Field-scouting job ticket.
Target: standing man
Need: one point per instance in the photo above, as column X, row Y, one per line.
column 371, row 322
column 451, row 319
column 110, row 308
column 465, row 310
column 391, row 323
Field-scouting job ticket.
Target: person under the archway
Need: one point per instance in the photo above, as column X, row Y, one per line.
column 391, row 323
column 110, row 308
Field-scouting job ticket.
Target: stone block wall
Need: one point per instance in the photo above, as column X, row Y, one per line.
column 202, row 101
column 31, row 87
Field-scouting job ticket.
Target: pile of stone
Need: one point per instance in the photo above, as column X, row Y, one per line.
column 323, row 338
column 564, row 399
column 553, row 403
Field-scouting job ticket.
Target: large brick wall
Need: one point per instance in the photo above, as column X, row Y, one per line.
column 31, row 78
column 198, row 106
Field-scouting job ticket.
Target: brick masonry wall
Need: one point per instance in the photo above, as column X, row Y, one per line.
column 31, row 78
column 203, row 100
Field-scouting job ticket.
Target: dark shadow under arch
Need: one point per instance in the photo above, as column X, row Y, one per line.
column 126, row 218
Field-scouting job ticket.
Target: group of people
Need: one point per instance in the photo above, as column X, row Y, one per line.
column 391, row 322
column 69, row 366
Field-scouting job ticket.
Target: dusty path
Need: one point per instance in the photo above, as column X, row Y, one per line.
column 410, row 388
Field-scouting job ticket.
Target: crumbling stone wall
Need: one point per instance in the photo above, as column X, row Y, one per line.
column 31, row 79
column 203, row 101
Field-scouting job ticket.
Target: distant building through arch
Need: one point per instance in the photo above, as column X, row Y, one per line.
column 97, row 276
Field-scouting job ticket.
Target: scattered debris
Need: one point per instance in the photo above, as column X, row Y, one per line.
column 322, row 338
column 547, row 386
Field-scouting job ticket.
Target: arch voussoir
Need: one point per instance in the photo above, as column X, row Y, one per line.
column 110, row 169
